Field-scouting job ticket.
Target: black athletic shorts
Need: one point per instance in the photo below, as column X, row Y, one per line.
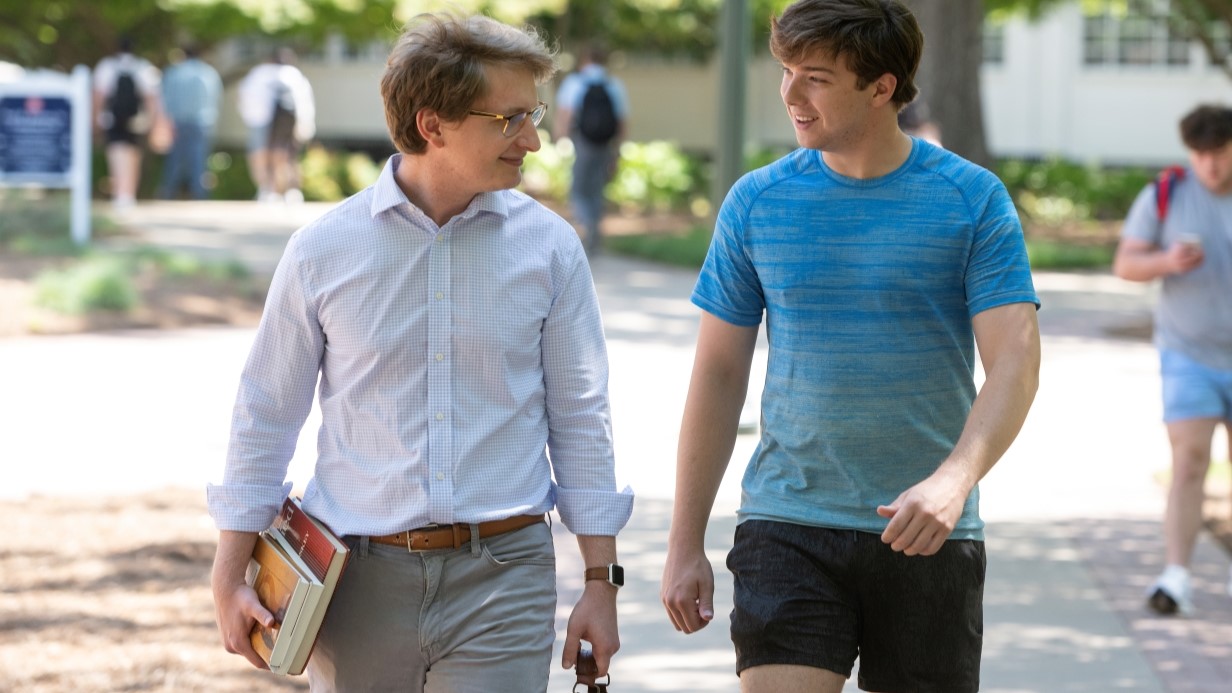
column 820, row 597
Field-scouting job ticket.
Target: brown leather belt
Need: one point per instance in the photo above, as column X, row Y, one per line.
column 453, row 536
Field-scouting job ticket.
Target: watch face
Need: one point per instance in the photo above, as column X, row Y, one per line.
column 616, row 575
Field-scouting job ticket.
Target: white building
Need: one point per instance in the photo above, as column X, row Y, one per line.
column 1091, row 87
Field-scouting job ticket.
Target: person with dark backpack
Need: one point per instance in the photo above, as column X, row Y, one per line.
column 126, row 105
column 277, row 106
column 592, row 109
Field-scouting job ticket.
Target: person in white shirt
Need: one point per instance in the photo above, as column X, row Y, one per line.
column 277, row 106
column 126, row 105
column 454, row 330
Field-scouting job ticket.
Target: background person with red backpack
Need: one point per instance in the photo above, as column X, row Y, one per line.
column 1179, row 230
column 126, row 106
column 591, row 110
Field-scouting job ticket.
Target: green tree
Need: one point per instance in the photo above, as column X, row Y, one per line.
column 59, row 34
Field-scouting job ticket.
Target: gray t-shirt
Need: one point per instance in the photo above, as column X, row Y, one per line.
column 1194, row 314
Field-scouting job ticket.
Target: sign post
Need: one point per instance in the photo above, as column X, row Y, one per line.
column 45, row 137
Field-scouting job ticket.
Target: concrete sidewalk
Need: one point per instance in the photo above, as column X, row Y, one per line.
column 1073, row 510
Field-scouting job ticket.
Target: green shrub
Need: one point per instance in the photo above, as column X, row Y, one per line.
column 650, row 177
column 1056, row 192
column 546, row 173
column 683, row 250
column 656, row 177
column 96, row 283
column 1060, row 256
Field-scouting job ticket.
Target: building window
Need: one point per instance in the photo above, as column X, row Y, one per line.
column 994, row 42
column 1116, row 34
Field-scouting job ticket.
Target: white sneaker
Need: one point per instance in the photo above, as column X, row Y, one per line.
column 1170, row 594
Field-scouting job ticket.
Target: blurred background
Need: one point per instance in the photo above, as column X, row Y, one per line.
column 1074, row 103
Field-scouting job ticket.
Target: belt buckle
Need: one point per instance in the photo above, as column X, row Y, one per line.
column 412, row 532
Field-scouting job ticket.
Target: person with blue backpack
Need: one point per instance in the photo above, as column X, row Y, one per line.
column 592, row 109
column 1179, row 231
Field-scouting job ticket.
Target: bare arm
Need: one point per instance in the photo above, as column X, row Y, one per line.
column 594, row 617
column 1141, row 261
column 717, row 389
column 923, row 516
column 235, row 602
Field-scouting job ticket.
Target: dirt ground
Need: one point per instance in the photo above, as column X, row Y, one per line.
column 112, row 594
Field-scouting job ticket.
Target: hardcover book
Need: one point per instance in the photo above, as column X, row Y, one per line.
column 302, row 561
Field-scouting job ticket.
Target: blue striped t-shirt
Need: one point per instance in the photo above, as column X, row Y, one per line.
column 868, row 288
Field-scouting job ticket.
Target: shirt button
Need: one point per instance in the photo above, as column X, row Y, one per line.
column 440, row 357
column 440, row 476
column 440, row 295
column 440, row 416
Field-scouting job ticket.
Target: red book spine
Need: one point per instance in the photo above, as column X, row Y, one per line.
column 305, row 537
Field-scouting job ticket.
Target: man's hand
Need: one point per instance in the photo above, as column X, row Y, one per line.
column 593, row 620
column 688, row 590
column 236, row 605
column 1182, row 258
column 238, row 609
column 923, row 516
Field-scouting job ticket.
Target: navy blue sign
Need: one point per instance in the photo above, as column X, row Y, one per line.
column 36, row 136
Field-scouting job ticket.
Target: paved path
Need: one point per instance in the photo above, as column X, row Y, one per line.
column 1073, row 509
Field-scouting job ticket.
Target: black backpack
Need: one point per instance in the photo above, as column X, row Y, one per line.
column 597, row 117
column 125, row 102
column 282, row 125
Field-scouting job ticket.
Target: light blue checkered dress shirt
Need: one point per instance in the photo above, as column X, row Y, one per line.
column 462, row 369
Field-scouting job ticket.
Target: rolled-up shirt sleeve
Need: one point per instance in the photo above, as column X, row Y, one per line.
column 274, row 398
column 575, row 372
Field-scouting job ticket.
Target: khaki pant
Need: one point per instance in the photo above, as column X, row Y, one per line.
column 475, row 619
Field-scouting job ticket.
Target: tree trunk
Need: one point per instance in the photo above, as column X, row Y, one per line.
column 949, row 74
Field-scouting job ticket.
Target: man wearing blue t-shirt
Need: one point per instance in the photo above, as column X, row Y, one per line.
column 878, row 262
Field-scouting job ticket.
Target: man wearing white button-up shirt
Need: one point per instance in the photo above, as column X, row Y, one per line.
column 454, row 328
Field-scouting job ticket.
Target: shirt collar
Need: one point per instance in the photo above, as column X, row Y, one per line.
column 386, row 194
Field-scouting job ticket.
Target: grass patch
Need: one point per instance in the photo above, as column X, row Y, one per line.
column 1046, row 254
column 681, row 249
column 95, row 283
column 103, row 281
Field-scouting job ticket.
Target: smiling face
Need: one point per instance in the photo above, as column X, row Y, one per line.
column 474, row 154
column 828, row 109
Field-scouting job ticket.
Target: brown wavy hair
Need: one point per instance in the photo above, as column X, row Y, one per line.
column 1207, row 127
column 874, row 37
column 438, row 64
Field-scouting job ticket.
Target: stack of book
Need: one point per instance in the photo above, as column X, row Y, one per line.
column 294, row 569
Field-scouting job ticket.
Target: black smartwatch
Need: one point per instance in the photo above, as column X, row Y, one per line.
column 613, row 573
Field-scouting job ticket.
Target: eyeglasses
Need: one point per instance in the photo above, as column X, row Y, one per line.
column 513, row 123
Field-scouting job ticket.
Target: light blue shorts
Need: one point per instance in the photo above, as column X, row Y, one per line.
column 1192, row 390
column 258, row 138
